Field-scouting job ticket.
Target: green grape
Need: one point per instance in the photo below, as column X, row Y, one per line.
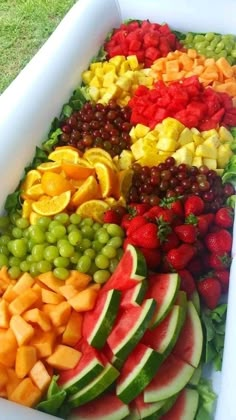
column 93, row 269
column 223, row 54
column 101, row 261
column 58, row 231
column 115, row 242
column 14, row 272
column 53, row 224
column 84, row 264
column 233, row 53
column 115, row 230
column 44, row 266
column 3, row 260
column 37, row 252
column 17, row 233
column 97, row 246
column 62, row 242
column 66, row 250
column 90, row 252
column 75, row 218
column 61, row 262
column 85, row 244
column 71, row 228
column 120, row 253
column 43, row 222
column 62, row 218
column 4, row 239
column 26, row 233
column 214, row 43
column 4, row 222
column 25, row 266
column 209, row 36
column 75, row 237
column 189, row 37
column 103, row 237
column 30, row 259
column 14, row 217
column 19, row 248
column 61, row 273
column 113, row 264
column 86, row 221
column 30, row 245
column 50, row 238
column 109, row 251
column 34, row 269
column 96, row 226
column 87, row 232
column 37, row 234
column 4, row 250
column 14, row 261
column 199, row 38
column 201, row 45
column 230, row 60
column 50, row 253
column 75, row 257
column 101, row 276
column 22, row 223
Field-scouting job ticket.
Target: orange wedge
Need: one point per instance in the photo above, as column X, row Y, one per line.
column 97, row 151
column 26, row 208
column 75, row 170
column 55, row 184
column 94, row 209
column 52, row 205
column 67, row 147
column 50, row 166
column 34, row 217
column 107, row 179
column 125, row 181
column 32, row 177
column 61, row 153
column 87, row 191
column 33, row 192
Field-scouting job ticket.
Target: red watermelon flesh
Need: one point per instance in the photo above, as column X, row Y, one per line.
column 185, row 406
column 134, row 296
column 106, row 407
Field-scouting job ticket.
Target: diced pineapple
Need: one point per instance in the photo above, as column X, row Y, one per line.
column 140, row 130
column 151, row 136
column 225, row 135
column 186, row 136
column 124, row 67
column 206, row 151
column 197, row 161
column 94, row 93
column 99, row 73
column 87, row 76
column 219, row 171
column 208, row 133
column 108, row 66
column 151, row 160
column 117, row 60
column 223, row 155
column 167, row 144
column 133, row 62
column 126, row 159
column 95, row 82
column 197, row 139
column 132, row 134
column 158, row 127
column 109, row 78
column 191, row 147
column 183, row 155
column 94, row 66
column 110, row 93
column 212, row 141
column 195, row 131
column 123, row 82
column 172, row 128
column 210, row 163
column 137, row 149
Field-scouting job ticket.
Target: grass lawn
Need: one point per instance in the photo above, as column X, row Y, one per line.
column 24, row 26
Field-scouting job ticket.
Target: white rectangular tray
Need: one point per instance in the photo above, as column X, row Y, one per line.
column 36, row 96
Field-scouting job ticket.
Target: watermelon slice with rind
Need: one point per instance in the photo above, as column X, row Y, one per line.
column 149, row 411
column 171, row 378
column 131, row 269
column 129, row 329
column 189, row 344
column 185, row 407
column 137, row 372
column 95, row 387
column 163, row 288
column 106, row 407
column 98, row 323
column 135, row 296
column 164, row 336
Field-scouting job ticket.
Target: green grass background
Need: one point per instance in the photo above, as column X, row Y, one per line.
column 24, row 27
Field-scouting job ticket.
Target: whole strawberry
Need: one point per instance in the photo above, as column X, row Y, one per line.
column 224, row 217
column 204, row 221
column 187, row 233
column 223, row 277
column 157, row 212
column 193, row 205
column 152, row 257
column 138, row 209
column 146, row 236
column 125, row 221
column 175, row 204
column 180, row 257
column 135, row 223
column 210, row 291
column 187, row 283
column 111, row 216
column 171, row 241
column 219, row 262
column 219, row 242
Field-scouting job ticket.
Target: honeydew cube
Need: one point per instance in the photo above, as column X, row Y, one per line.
column 167, row 144
column 183, row 155
column 225, row 135
column 210, row 163
column 191, row 147
column 109, row 78
column 208, row 133
column 206, row 151
column 197, row 139
column 140, row 130
column 133, row 62
column 186, row 136
column 223, row 155
column 197, row 161
column 87, row 76
column 95, row 82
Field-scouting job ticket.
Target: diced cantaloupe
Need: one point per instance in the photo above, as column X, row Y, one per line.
column 73, row 330
column 37, row 289
column 48, row 307
column 4, row 314
column 68, row 291
column 8, row 347
column 51, row 297
column 60, row 330
column 12, row 382
column 50, row 281
column 9, row 295
column 24, row 283
column 26, row 357
column 40, row 376
column 60, row 315
column 23, row 302
column 21, row 329
column 84, row 301
column 78, row 280
column 26, row 393
column 64, row 357
column 43, row 342
column 36, row 316
column 3, row 376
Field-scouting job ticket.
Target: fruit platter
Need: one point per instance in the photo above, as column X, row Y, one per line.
column 117, row 226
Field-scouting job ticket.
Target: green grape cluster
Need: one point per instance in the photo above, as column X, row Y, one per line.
column 212, row 45
column 60, row 244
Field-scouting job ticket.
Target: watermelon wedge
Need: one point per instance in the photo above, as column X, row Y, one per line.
column 185, row 407
column 88, row 367
column 137, row 372
column 106, row 407
column 131, row 270
column 98, row 323
column 189, row 344
column 148, row 411
column 129, row 329
column 196, row 300
column 171, row 378
column 164, row 336
column 163, row 288
column 135, row 296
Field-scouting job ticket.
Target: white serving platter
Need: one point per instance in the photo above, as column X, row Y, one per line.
column 36, row 96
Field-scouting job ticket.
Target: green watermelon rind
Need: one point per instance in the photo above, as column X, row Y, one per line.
column 194, row 380
column 139, row 292
column 106, row 320
column 124, row 347
column 196, row 301
column 94, row 368
column 139, row 268
column 119, row 414
column 95, row 387
column 150, row 412
column 140, row 377
column 191, row 406
column 174, row 331
column 168, row 302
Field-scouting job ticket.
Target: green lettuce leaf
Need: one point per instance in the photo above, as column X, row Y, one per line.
column 207, row 399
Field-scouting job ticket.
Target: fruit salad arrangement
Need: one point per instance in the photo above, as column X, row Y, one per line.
column 115, row 248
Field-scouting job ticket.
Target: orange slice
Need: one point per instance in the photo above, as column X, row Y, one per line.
column 33, row 192
column 125, row 181
column 94, row 209
column 32, row 177
column 67, row 148
column 68, row 154
column 75, row 170
column 26, row 208
column 87, row 191
column 50, row 166
column 97, row 151
column 34, row 217
column 52, row 205
column 55, row 184
column 108, row 180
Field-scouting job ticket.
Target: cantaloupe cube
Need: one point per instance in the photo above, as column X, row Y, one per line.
column 23, row 302
column 64, row 357
column 3, row 393
column 8, row 347
column 13, row 381
column 21, row 329
column 38, row 317
column 73, row 330
column 60, row 330
column 26, row 357
column 51, row 297
column 9, row 294
column 84, row 301
column 26, row 393
column 3, row 376
column 60, row 315
column 44, row 343
column 24, row 283
column 50, row 281
column 4, row 314
column 78, row 280
column 40, row 376
column 37, row 289
column 48, row 307
column 68, row 291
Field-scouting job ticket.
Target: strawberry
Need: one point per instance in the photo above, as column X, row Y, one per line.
column 195, row 266
column 178, row 258
column 125, row 221
column 146, row 236
column 138, row 209
column 152, row 257
column 223, row 277
column 111, row 216
column 175, row 204
column 157, row 212
column 186, row 233
column 171, row 241
column 219, row 261
column 224, row 217
column 203, row 223
column 187, row 283
column 210, row 290
column 135, row 223
column 219, row 242
column 193, row 205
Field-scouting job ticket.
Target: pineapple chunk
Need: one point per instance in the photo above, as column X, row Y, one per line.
column 126, row 159
column 133, row 62
column 87, row 76
column 183, row 155
column 223, row 155
column 151, row 159
column 206, row 151
column 197, row 139
column 109, row 78
column 172, row 128
column 124, row 67
column 94, row 93
column 210, row 163
column 95, row 82
column 108, row 66
column 208, row 133
column 195, row 131
column 94, row 66
column 117, row 61
column 137, row 149
column 167, row 144
column 132, row 134
column 186, row 136
column 212, row 141
column 110, row 93
column 219, row 171
column 123, row 82
column 140, row 130
column 225, row 135
column 197, row 161
column 191, row 147
column 99, row 72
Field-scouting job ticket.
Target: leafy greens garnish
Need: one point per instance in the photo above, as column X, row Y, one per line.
column 207, row 399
